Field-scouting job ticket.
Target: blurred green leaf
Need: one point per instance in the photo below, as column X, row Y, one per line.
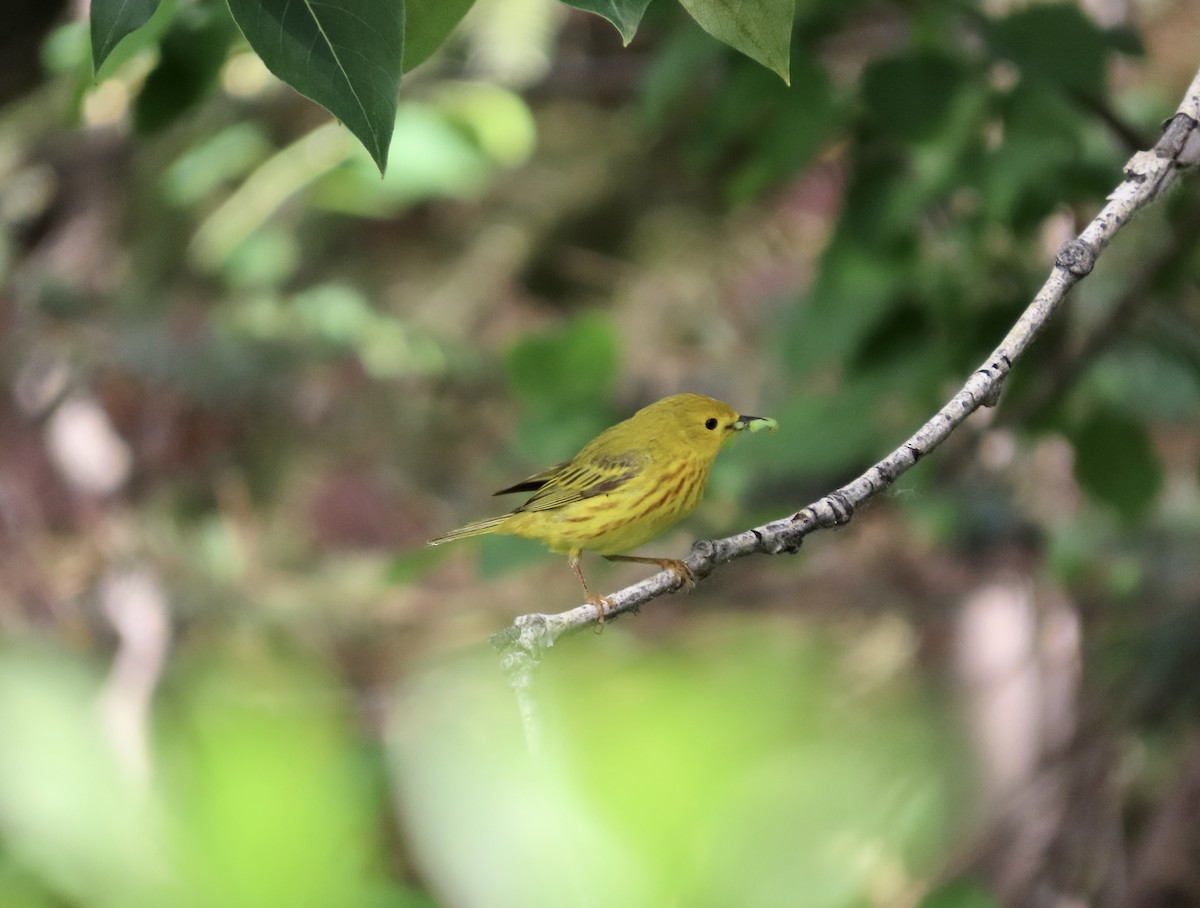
column 271, row 798
column 427, row 24
column 911, row 96
column 346, row 57
column 499, row 121
column 66, row 48
column 1149, row 379
column 112, row 20
column 572, row 367
column 1053, row 42
column 737, row 765
column 853, row 292
column 820, row 434
column 624, row 14
column 70, row 812
column 439, row 159
column 960, row 894
column 1044, row 161
column 19, row 889
column 1116, row 462
column 881, row 203
column 265, row 258
column 563, row 379
column 190, row 57
column 335, row 314
column 211, row 162
column 758, row 133
column 760, row 29
column 671, row 73
column 1126, row 40
column 257, row 198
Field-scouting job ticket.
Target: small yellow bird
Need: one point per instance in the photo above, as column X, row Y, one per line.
column 628, row 485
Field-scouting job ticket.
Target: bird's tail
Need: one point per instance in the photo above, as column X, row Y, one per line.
column 478, row 528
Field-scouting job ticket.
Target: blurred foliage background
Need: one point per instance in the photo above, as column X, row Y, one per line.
column 245, row 379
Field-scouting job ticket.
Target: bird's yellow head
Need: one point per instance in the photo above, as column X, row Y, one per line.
column 702, row 424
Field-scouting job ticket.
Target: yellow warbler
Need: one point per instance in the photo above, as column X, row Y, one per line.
column 628, row 485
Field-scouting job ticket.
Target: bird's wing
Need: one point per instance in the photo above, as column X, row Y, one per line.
column 576, row 480
column 535, row 482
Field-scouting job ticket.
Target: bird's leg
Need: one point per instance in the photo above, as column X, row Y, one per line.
column 599, row 603
column 683, row 573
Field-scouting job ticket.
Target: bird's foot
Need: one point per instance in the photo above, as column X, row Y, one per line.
column 683, row 574
column 601, row 604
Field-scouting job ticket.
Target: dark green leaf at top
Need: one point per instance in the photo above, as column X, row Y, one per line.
column 626, row 15
column 112, row 20
column 760, row 29
column 345, row 55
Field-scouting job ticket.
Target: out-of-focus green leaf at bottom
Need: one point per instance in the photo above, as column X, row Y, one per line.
column 740, row 766
column 960, row 894
column 270, row 797
column 20, row 890
column 260, row 794
column 69, row 815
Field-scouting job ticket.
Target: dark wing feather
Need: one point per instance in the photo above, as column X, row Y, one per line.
column 535, row 482
column 576, row 480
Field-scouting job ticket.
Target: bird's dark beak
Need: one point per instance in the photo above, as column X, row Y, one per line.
column 754, row 423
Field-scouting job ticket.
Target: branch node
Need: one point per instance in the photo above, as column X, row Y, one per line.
column 704, row 549
column 1174, row 140
column 783, row 543
column 703, row 557
column 841, row 506
column 1077, row 257
column 991, row 396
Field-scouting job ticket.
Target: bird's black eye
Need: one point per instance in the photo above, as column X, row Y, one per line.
column 710, row 423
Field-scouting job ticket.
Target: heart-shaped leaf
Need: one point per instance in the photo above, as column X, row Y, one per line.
column 112, row 20
column 343, row 54
column 760, row 29
column 626, row 15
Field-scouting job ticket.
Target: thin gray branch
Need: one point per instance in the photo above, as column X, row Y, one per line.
column 1147, row 175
